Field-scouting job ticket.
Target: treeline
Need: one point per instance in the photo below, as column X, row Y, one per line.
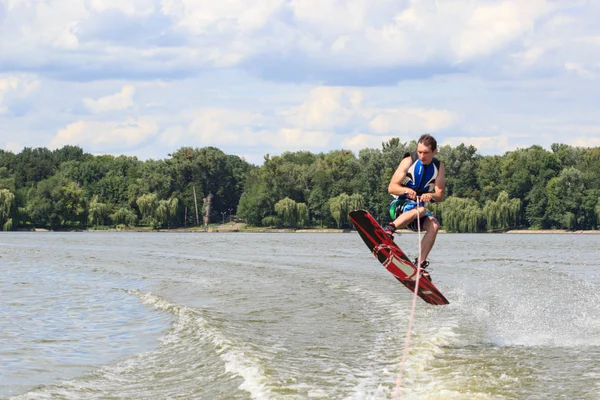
column 69, row 189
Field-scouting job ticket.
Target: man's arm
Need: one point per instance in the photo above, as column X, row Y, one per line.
column 395, row 187
column 440, row 186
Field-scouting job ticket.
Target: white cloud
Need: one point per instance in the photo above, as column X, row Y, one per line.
column 96, row 136
column 296, row 138
column 118, row 101
column 129, row 7
column 338, row 34
column 579, row 70
column 42, row 26
column 14, row 147
column 496, row 144
column 491, row 26
column 410, row 120
column 226, row 16
column 363, row 141
column 326, row 108
column 276, row 75
column 220, row 126
column 14, row 87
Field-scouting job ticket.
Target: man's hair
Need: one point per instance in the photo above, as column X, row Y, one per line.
column 428, row 140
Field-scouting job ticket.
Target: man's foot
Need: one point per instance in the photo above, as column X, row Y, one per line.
column 389, row 230
column 424, row 273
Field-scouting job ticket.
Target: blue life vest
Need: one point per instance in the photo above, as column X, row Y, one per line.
column 421, row 177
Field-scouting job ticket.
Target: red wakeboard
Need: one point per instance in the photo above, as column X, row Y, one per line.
column 393, row 258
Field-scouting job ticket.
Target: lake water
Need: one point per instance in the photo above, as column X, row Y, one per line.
column 295, row 316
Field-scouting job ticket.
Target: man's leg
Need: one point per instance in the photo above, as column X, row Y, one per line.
column 431, row 226
column 409, row 216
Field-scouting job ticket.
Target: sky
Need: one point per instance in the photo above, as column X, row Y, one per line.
column 254, row 77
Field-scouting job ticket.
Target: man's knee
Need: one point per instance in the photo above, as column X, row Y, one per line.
column 432, row 225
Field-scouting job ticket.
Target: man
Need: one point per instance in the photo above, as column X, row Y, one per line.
column 419, row 174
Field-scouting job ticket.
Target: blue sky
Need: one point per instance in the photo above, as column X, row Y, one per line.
column 251, row 77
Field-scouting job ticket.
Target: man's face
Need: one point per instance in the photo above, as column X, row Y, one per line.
column 425, row 154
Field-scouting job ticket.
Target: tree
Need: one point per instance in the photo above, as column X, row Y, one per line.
column 147, row 204
column 6, row 204
column 503, row 213
column 374, row 180
column 69, row 153
column 302, row 215
column 341, row 205
column 567, row 156
column 339, row 209
column 460, row 163
column 124, row 216
column 56, row 203
column 33, row 165
column 489, row 178
column 460, row 215
column 597, row 209
column 287, row 211
column 526, row 171
column 98, row 212
column 256, row 202
column 565, row 198
column 166, row 211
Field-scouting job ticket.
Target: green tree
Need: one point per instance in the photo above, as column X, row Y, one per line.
column 33, row 165
column 98, row 212
column 489, row 178
column 460, row 163
column 460, row 215
column 302, row 213
column 374, row 180
column 287, row 211
column 166, row 211
column 504, row 213
column 56, row 203
column 567, row 156
column 525, row 173
column 147, row 204
column 565, row 198
column 340, row 207
column 6, row 204
column 597, row 209
column 256, row 202
column 124, row 216
column 69, row 153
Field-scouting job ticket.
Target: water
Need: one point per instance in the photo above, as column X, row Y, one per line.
column 294, row 316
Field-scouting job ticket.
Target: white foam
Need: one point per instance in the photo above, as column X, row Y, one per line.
column 237, row 357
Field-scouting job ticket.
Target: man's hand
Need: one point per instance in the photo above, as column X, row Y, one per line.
column 410, row 194
column 427, row 197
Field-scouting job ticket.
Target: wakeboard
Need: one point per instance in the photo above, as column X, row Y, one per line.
column 393, row 258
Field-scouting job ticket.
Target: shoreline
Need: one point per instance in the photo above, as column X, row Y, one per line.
column 239, row 227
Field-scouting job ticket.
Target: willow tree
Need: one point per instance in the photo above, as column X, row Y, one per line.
column 6, row 202
column 98, row 212
column 338, row 206
column 302, row 214
column 166, row 211
column 460, row 215
column 147, row 204
column 287, row 211
column 503, row 213
column 355, row 202
column 597, row 209
column 124, row 216
column 341, row 205
column 290, row 214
